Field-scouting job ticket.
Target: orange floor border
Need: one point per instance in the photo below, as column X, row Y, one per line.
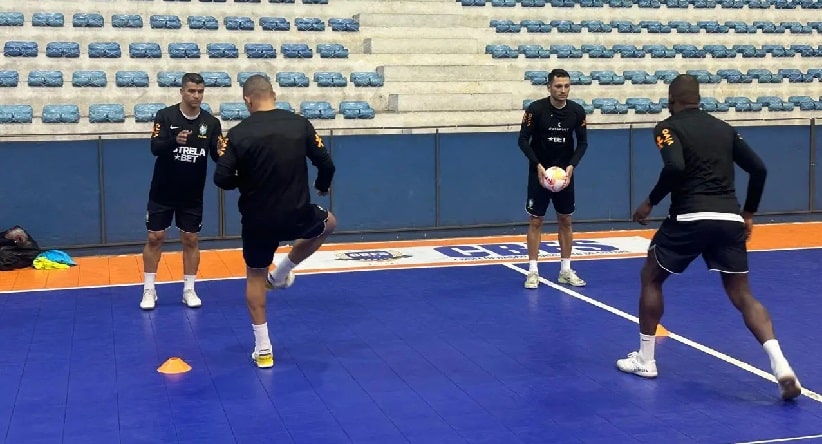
column 220, row 264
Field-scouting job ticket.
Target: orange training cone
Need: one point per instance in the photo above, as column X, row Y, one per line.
column 173, row 366
column 661, row 331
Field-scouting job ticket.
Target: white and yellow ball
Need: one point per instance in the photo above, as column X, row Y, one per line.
column 555, row 179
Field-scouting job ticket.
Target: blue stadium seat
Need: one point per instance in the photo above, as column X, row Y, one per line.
column 629, row 51
column 296, row 51
column 566, row 51
column 654, row 27
column 145, row 50
column 712, row 27
column 607, row 77
column 804, row 103
column 159, row 21
column 203, row 22
column 804, row 50
column 796, row 27
column 626, row 27
column 274, row 24
column 315, row 2
column 222, row 51
column 743, row 104
column 344, row 24
column 774, row 103
column 367, row 79
column 578, row 78
column 537, row 77
column 283, row 105
column 778, row 51
column 329, row 79
column 292, row 79
column 171, row 79
column 666, row 75
column 794, row 75
column 596, row 26
column 764, row 75
column 638, row 77
column 83, row 20
column 594, row 51
column 244, row 75
column 126, row 21
column 501, row 51
column 183, row 50
column 608, row 105
column 734, row 76
column 52, row 19
column 720, row 51
column 216, row 79
column 145, row 112
column 703, row 76
column 260, row 51
column 20, row 49
column 233, row 111
column 643, row 105
column 658, row 51
column 45, row 78
column 309, row 24
column 281, row 1
column 16, row 114
column 356, row 109
column 565, row 26
column 89, row 78
column 749, row 51
column 235, row 23
column 535, row 26
column 689, row 51
column 317, row 110
column 61, row 114
column 815, row 73
column 589, row 109
column 332, row 51
column 11, row 19
column 506, row 26
column 740, row 27
column 711, row 104
column 472, row 2
column 9, row 79
column 63, row 49
column 104, row 50
column 504, row 3
column 131, row 79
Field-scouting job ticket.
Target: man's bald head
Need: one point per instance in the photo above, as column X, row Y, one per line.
column 258, row 93
column 683, row 92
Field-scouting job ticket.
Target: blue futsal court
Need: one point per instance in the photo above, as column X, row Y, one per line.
column 459, row 354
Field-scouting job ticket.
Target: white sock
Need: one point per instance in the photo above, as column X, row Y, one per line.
column 646, row 347
column 188, row 282
column 261, row 340
column 282, row 269
column 565, row 264
column 532, row 266
column 778, row 361
column 148, row 281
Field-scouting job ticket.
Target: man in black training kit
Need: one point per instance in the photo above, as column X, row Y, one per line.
column 699, row 152
column 264, row 156
column 545, row 138
column 182, row 135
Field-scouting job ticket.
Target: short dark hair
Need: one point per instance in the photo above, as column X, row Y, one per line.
column 257, row 85
column 684, row 89
column 192, row 77
column 557, row 73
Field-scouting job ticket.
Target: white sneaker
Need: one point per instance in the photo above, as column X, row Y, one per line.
column 191, row 299
column 570, row 277
column 149, row 299
column 789, row 387
column 532, row 281
column 270, row 284
column 632, row 364
column 263, row 358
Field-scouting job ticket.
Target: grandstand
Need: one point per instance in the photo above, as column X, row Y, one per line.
column 107, row 65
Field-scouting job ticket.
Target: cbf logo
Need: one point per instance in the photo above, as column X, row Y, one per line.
column 517, row 250
column 203, row 131
column 371, row 255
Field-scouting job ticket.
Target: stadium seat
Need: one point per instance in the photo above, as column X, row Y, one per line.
column 11, row 18
column 61, row 114
column 20, row 49
column 216, row 79
column 9, row 79
column 367, row 79
column 317, row 110
column 145, row 112
column 184, row 50
column 203, row 22
column 332, row 51
column 145, row 50
column 344, row 24
column 292, row 79
column 233, row 111
column 89, row 78
column 222, row 51
column 235, row 23
column 309, row 24
column 356, row 110
column 63, row 49
column 329, row 79
column 274, row 24
column 260, row 51
column 126, row 21
column 165, row 22
column 51, row 19
column 45, row 78
column 296, row 51
column 82, row 20
column 104, row 50
column 243, row 76
column 131, row 79
column 16, row 114
column 170, row 79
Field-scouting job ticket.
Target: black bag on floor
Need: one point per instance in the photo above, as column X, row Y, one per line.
column 17, row 249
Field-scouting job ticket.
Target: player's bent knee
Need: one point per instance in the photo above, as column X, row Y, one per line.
column 330, row 224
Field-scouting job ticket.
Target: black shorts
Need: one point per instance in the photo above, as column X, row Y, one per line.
column 188, row 218
column 720, row 242
column 260, row 242
column 539, row 197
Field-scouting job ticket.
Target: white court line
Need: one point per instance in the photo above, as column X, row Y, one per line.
column 798, row 438
column 707, row 350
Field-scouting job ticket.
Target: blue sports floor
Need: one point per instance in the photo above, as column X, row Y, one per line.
column 432, row 355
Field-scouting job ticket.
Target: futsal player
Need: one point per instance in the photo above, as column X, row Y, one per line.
column 265, row 157
column 699, row 152
column 182, row 136
column 552, row 133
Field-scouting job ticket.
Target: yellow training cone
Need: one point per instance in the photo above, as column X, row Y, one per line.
column 661, row 331
column 174, row 366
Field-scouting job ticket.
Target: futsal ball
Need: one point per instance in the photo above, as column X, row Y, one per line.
column 555, row 179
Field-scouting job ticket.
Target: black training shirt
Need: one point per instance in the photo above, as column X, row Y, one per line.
column 180, row 171
column 545, row 134
column 265, row 157
column 699, row 152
